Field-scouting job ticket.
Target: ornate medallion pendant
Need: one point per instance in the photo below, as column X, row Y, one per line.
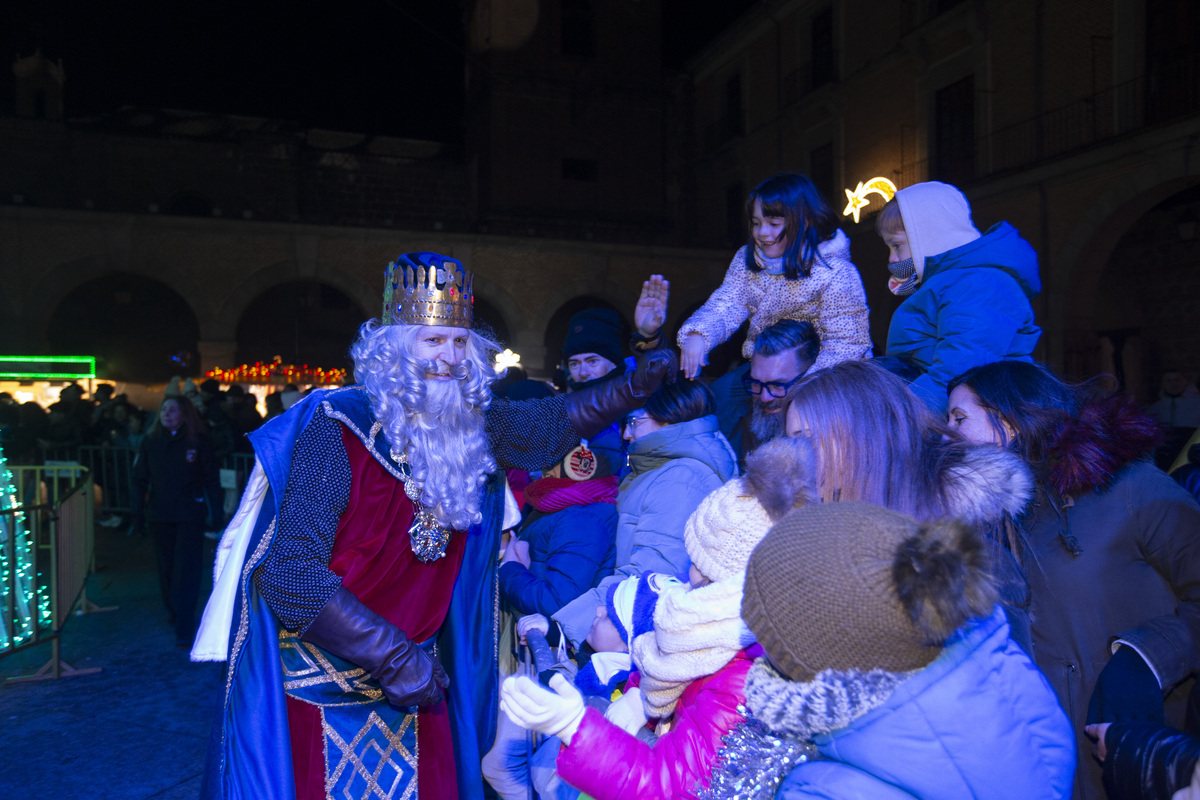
column 428, row 537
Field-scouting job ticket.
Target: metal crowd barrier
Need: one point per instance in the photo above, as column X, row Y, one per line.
column 235, row 471
column 111, row 469
column 112, row 472
column 49, row 549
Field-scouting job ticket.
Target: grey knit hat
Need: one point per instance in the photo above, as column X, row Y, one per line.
column 856, row 586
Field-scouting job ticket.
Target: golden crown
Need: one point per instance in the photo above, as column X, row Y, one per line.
column 428, row 289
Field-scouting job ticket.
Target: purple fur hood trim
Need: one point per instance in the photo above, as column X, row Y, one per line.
column 1090, row 448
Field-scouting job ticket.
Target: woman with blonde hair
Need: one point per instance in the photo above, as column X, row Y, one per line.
column 875, row 441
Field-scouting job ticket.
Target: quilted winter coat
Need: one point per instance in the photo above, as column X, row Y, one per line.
column 971, row 308
column 1112, row 553
column 979, row 722
column 569, row 552
column 831, row 298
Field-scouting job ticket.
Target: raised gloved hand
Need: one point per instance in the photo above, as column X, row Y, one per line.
column 407, row 674
column 1126, row 690
column 594, row 408
column 557, row 713
column 628, row 712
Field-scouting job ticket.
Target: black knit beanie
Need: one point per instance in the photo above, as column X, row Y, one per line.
column 597, row 330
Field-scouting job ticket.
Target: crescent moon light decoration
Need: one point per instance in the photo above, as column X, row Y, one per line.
column 858, row 198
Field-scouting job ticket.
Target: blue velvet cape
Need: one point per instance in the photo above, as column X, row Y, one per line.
column 249, row 753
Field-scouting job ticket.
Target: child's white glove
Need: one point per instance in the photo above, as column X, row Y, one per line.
column 556, row 713
column 627, row 712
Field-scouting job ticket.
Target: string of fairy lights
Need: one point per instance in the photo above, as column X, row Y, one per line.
column 19, row 586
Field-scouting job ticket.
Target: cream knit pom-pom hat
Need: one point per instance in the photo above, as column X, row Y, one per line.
column 723, row 530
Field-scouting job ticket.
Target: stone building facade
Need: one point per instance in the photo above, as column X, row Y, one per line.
column 588, row 167
column 559, row 201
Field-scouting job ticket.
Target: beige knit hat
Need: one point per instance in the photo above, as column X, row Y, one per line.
column 723, row 530
column 727, row 524
column 855, row 586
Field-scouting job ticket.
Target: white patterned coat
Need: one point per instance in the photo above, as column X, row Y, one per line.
column 831, row 298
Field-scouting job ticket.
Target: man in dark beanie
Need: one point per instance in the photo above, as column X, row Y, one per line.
column 594, row 346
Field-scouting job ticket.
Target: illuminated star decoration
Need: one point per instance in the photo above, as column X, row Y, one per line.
column 858, row 198
column 507, row 359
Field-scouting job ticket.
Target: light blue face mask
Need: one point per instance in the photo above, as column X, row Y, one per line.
column 906, row 271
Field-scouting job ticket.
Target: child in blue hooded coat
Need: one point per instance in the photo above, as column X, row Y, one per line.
column 968, row 294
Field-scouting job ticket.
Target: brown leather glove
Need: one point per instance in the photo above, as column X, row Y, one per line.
column 594, row 408
column 407, row 674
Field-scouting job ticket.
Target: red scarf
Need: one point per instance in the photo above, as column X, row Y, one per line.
column 554, row 494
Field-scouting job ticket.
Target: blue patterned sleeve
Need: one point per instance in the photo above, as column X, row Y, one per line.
column 529, row 434
column 295, row 578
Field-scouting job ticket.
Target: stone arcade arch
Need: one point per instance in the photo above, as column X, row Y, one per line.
column 139, row 328
column 44, row 297
column 219, row 343
column 1086, row 298
column 1072, row 287
column 1147, row 302
column 302, row 322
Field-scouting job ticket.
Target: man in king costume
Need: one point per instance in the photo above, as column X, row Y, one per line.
column 355, row 595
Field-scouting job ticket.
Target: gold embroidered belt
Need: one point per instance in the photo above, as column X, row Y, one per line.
column 370, row 745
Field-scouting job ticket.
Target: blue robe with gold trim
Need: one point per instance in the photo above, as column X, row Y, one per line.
column 249, row 754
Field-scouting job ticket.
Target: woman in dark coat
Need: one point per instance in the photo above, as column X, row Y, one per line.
column 176, row 464
column 1110, row 544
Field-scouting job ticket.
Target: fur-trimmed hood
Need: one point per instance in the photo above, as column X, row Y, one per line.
column 986, row 485
column 1089, row 448
column 979, row 489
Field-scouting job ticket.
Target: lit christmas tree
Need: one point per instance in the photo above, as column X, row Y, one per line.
column 20, row 595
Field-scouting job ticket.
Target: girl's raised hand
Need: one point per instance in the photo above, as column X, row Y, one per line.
column 651, row 311
column 695, row 356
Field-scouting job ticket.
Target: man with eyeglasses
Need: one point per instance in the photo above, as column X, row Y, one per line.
column 751, row 398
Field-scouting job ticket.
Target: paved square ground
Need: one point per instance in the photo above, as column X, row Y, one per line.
column 136, row 730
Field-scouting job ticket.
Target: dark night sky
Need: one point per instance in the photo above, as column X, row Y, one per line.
column 378, row 66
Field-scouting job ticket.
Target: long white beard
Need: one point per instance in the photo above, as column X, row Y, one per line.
column 447, row 452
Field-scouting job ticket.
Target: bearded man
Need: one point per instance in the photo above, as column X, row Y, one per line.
column 752, row 399
column 355, row 587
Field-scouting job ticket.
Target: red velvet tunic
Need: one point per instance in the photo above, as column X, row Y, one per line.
column 374, row 559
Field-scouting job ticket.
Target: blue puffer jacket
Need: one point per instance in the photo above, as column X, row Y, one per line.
column 671, row 471
column 971, row 308
column 979, row 723
column 569, row 552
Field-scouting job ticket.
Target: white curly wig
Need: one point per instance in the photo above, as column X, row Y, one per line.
column 438, row 424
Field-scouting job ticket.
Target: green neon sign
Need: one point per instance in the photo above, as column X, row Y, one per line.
column 40, row 368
